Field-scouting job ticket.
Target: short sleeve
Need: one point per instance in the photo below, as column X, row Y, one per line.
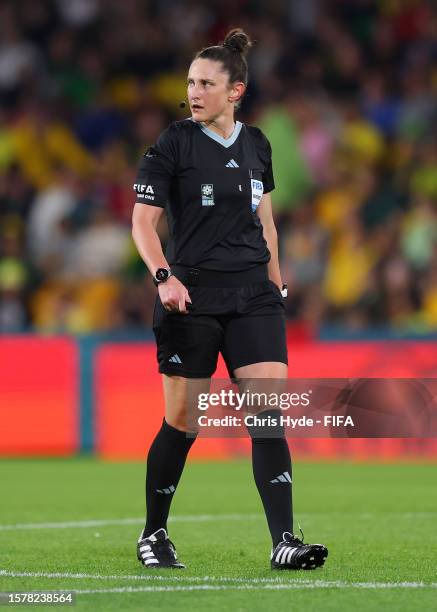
column 268, row 180
column 156, row 171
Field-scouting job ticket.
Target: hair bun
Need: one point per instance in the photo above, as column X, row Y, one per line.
column 238, row 41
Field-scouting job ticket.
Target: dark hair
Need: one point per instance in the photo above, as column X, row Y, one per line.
column 232, row 54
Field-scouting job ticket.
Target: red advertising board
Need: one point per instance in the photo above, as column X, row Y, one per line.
column 129, row 403
column 38, row 396
column 40, row 406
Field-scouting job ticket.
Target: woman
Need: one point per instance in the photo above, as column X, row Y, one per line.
column 219, row 289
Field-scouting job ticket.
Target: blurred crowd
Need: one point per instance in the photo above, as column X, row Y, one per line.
column 344, row 89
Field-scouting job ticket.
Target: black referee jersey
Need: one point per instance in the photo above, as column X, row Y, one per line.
column 210, row 188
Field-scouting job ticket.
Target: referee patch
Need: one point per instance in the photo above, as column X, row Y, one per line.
column 257, row 193
column 207, row 192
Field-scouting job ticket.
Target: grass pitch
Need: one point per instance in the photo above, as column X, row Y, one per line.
column 73, row 524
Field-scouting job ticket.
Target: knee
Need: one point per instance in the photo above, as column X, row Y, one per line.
column 177, row 419
column 181, row 419
column 266, row 427
column 178, row 394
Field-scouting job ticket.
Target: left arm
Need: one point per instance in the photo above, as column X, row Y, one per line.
column 264, row 212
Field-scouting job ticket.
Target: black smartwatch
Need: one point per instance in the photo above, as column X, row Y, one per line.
column 161, row 275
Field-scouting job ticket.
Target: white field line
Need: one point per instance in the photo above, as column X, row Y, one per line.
column 318, row 584
column 149, row 576
column 247, row 583
column 201, row 518
column 239, row 583
column 181, row 518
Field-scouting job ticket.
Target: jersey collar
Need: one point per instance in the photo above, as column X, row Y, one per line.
column 225, row 142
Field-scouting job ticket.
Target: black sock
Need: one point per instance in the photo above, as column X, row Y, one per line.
column 165, row 463
column 271, row 464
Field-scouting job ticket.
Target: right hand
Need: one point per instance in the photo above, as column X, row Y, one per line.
column 174, row 295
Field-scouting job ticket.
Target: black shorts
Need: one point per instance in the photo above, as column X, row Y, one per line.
column 246, row 324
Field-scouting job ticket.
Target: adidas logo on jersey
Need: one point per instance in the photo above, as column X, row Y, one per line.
column 232, row 164
column 175, row 359
column 284, row 477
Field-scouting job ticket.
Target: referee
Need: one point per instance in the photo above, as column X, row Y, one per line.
column 219, row 289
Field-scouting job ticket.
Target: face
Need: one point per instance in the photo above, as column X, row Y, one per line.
column 210, row 94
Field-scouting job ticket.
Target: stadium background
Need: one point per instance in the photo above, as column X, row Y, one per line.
column 344, row 90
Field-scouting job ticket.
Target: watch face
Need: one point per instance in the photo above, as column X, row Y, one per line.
column 161, row 275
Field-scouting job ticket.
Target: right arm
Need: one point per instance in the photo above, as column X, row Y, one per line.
column 173, row 293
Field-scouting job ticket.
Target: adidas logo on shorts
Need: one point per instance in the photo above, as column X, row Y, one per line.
column 175, row 359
